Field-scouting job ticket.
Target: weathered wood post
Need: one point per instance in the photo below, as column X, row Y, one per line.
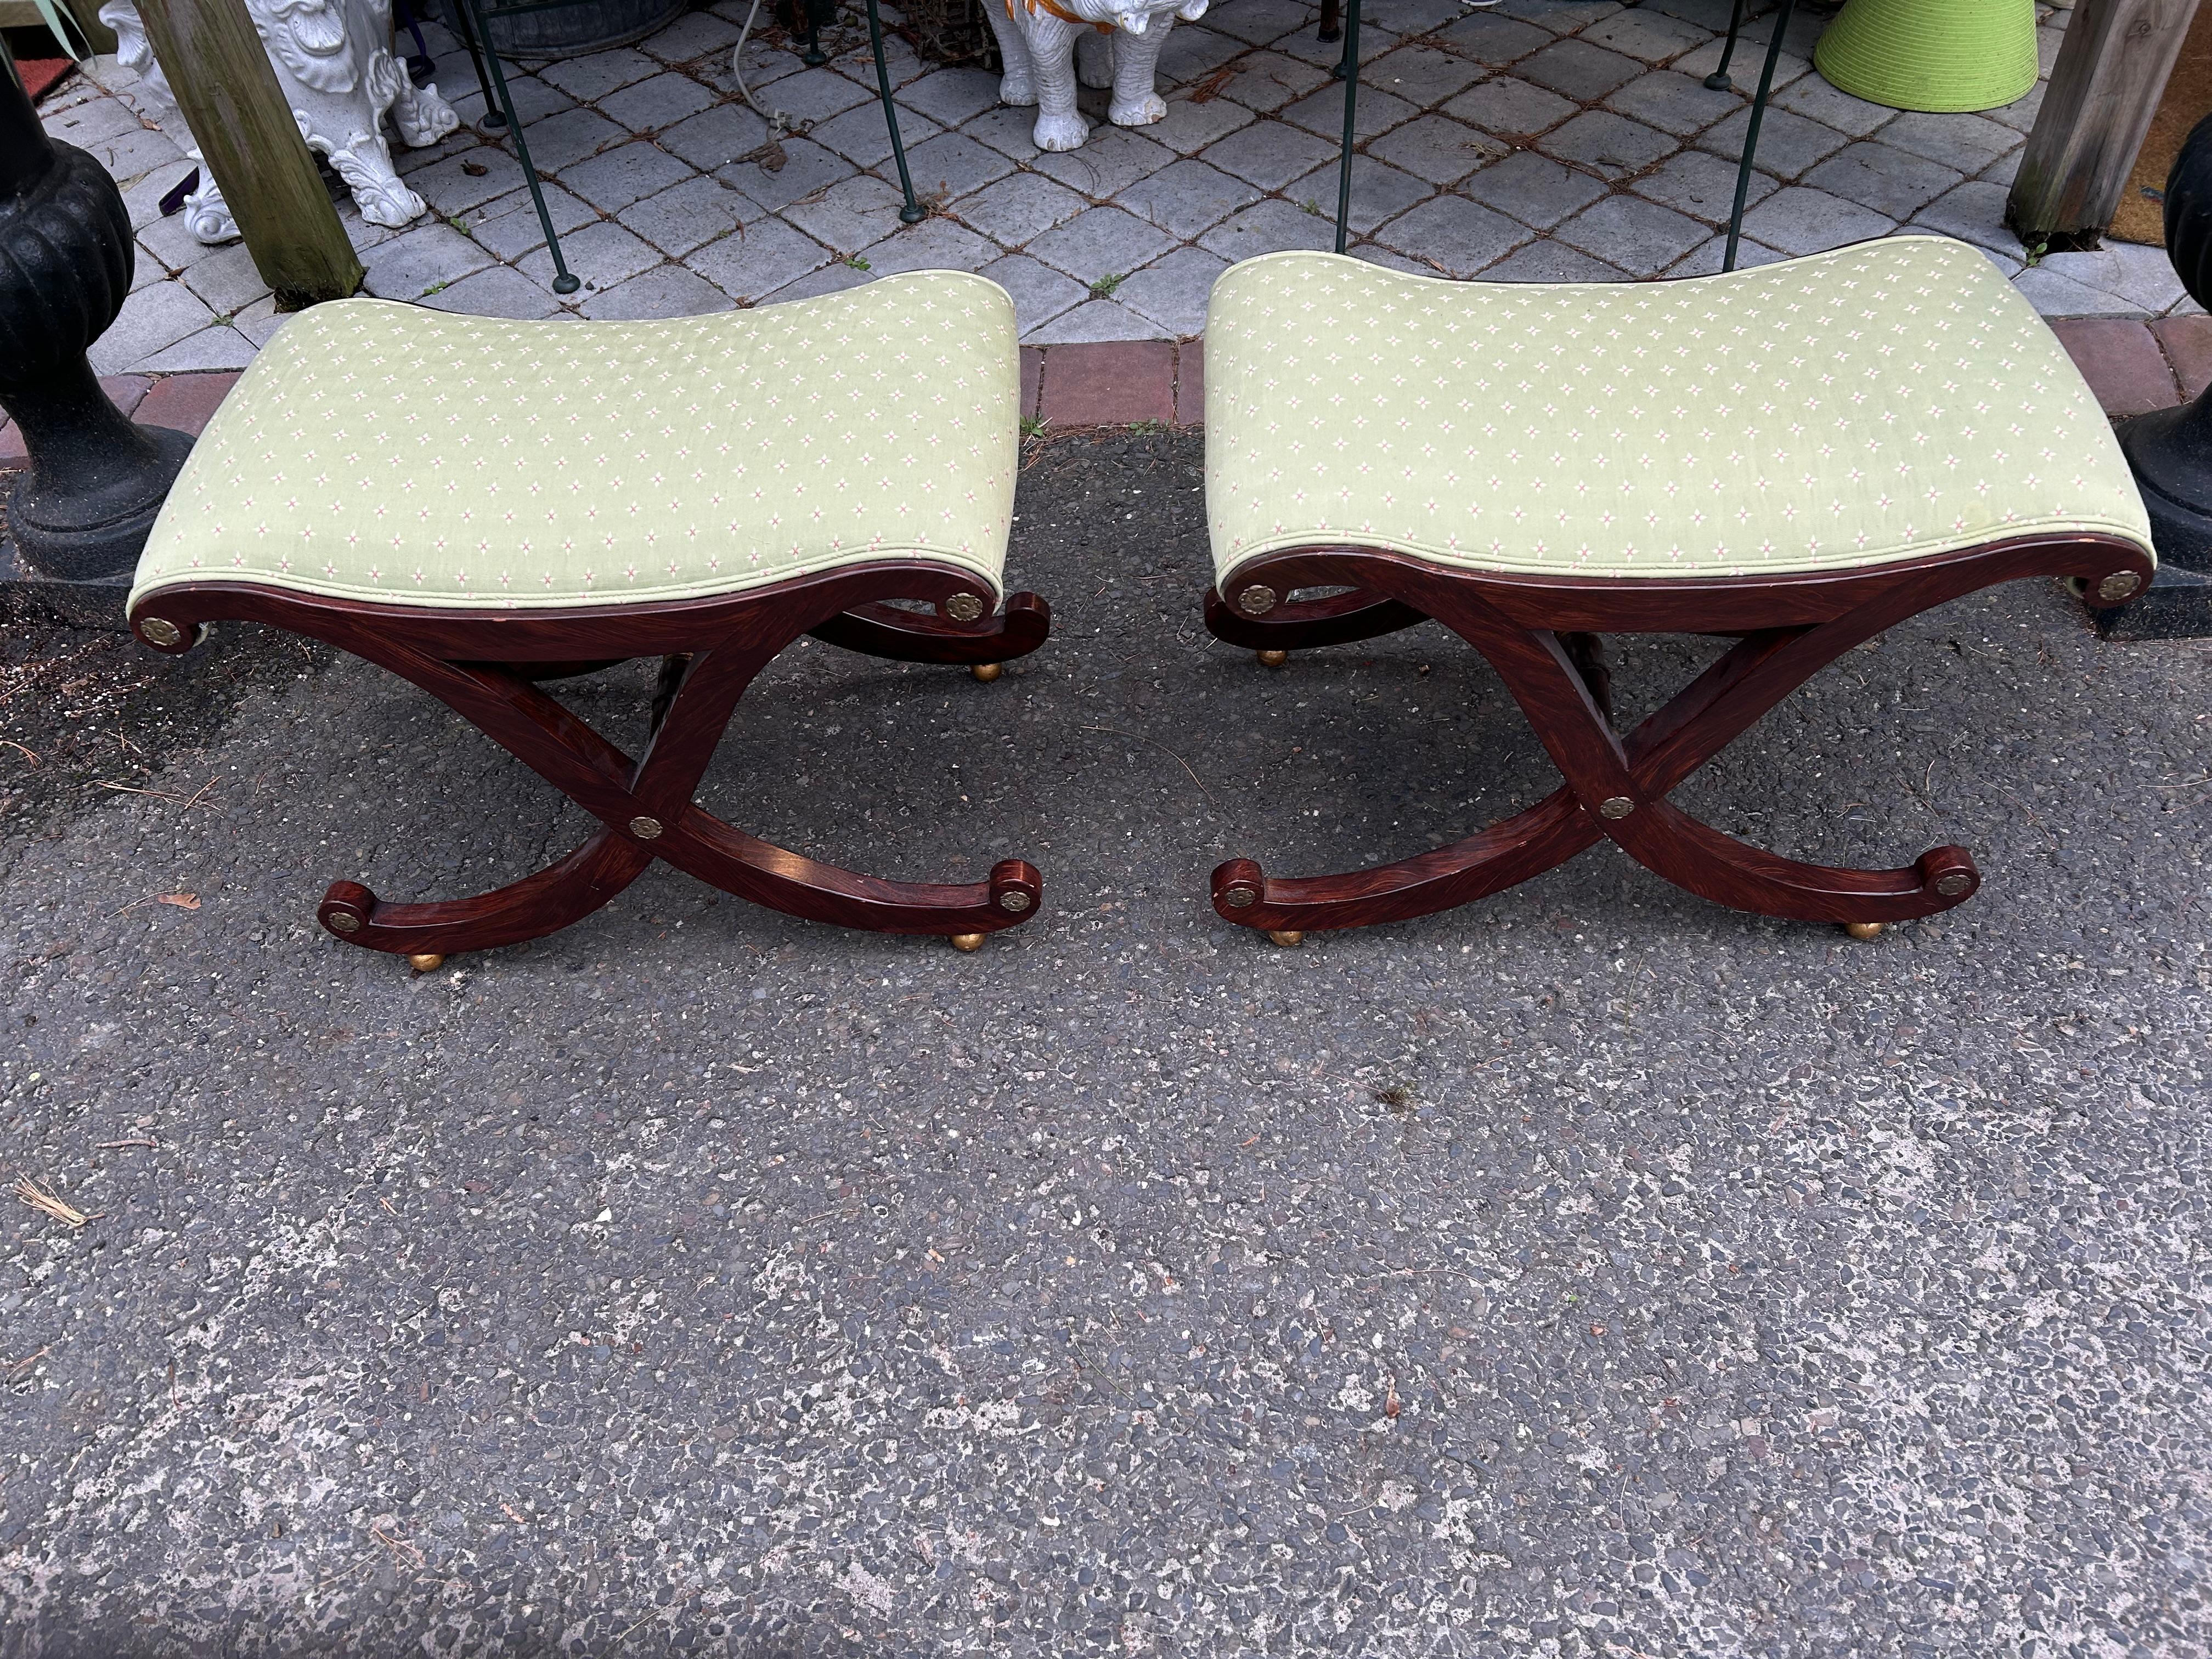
column 2104, row 90
column 220, row 72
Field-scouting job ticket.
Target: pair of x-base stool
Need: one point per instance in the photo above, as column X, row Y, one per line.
column 1799, row 455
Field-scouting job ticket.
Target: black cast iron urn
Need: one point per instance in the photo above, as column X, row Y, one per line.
column 2171, row 450
column 80, row 512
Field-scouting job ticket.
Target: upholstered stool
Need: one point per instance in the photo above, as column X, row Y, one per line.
column 478, row 505
column 1802, row 454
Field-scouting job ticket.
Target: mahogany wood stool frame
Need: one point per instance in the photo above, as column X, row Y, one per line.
column 484, row 664
column 1535, row 631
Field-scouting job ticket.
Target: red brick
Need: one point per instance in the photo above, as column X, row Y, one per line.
column 124, row 391
column 1032, row 375
column 2188, row 343
column 185, row 402
column 1114, row 383
column 2120, row 359
column 1190, row 384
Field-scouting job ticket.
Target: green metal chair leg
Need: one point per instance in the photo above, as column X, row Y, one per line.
column 1718, row 79
column 1351, row 67
column 1750, row 130
column 564, row 280
column 912, row 212
column 814, row 13
column 494, row 119
column 1743, row 167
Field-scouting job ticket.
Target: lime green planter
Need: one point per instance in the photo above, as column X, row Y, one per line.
column 1938, row 55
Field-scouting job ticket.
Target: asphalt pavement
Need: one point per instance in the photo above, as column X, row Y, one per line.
column 1589, row 1271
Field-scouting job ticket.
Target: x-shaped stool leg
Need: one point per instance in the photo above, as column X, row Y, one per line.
column 1616, row 789
column 645, row 805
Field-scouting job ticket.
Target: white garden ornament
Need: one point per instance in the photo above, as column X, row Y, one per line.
column 333, row 61
column 1038, row 40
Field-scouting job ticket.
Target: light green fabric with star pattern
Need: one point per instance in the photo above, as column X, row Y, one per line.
column 388, row 451
column 1890, row 400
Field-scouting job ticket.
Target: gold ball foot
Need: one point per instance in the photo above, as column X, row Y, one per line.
column 968, row 941
column 988, row 672
column 426, row 961
column 1271, row 658
column 1864, row 929
column 1286, row 936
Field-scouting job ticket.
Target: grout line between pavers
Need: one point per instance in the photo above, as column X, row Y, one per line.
column 1430, row 38
column 2173, row 368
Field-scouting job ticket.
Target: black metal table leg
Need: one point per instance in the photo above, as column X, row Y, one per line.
column 494, row 119
column 815, row 14
column 911, row 213
column 1351, row 67
column 1750, row 130
column 1718, row 79
column 564, row 280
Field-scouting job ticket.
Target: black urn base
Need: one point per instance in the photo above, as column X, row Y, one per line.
column 2170, row 452
column 26, row 596
column 94, row 524
column 81, row 509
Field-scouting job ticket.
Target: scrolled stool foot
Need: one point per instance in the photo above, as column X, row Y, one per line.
column 1271, row 658
column 968, row 941
column 426, row 961
column 1864, row 930
column 988, row 672
column 1286, row 936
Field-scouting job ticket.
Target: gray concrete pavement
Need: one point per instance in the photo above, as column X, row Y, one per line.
column 1544, row 141
column 1588, row 1272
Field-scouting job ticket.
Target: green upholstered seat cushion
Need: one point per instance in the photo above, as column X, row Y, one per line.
column 1885, row 401
column 393, row 452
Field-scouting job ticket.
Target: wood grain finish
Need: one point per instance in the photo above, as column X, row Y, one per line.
column 1535, row 630
column 882, row 630
column 2105, row 87
column 1301, row 624
column 484, row 665
column 220, row 71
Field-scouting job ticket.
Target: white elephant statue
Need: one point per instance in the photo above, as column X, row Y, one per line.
column 333, row 60
column 1037, row 39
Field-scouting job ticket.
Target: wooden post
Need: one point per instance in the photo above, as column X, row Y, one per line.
column 220, row 72
column 2104, row 90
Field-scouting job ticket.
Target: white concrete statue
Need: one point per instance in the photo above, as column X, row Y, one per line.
column 1038, row 40
column 333, row 60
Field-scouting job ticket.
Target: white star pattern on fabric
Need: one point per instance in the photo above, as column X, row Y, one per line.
column 1845, row 350
column 679, row 475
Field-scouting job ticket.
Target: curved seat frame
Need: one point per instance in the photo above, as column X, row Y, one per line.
column 484, row 665
column 1536, row 632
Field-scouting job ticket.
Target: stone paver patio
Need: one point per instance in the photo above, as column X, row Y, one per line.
column 1538, row 140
